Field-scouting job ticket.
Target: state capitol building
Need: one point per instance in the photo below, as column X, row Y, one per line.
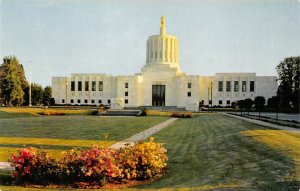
column 161, row 83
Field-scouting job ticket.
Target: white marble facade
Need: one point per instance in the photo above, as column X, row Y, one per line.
column 161, row 83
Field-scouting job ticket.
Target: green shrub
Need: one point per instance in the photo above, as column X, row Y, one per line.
column 143, row 161
column 93, row 166
column 182, row 114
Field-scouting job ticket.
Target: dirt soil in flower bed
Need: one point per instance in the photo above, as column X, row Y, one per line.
column 95, row 185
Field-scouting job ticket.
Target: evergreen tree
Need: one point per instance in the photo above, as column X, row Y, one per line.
column 259, row 103
column 248, row 103
column 37, row 93
column 12, row 81
column 289, row 81
column 47, row 95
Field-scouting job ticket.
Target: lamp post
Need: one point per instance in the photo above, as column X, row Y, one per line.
column 30, row 104
column 208, row 99
column 89, row 94
column 211, row 87
column 66, row 91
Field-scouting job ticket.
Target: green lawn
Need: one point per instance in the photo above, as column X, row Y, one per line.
column 58, row 133
column 76, row 127
column 5, row 115
column 206, row 152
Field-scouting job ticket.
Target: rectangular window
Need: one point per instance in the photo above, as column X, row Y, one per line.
column 236, row 86
column 108, row 101
column 220, row 102
column 220, row 86
column 86, row 86
column 85, row 101
column 251, row 86
column 155, row 54
column 244, row 86
column 126, row 93
column 228, row 102
column 99, row 101
column 100, row 86
column 126, row 85
column 126, row 101
column 80, row 86
column 160, row 54
column 72, row 86
column 189, row 85
column 63, row 101
column 189, row 94
column 228, row 86
column 93, row 86
column 93, row 101
column 72, row 101
column 78, row 101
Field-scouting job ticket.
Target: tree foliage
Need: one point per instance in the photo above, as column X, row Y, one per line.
column 12, row 81
column 248, row 103
column 289, row 80
column 37, row 93
column 273, row 102
column 47, row 95
column 259, row 103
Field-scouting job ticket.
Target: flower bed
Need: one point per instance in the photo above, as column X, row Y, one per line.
column 182, row 114
column 92, row 167
column 49, row 112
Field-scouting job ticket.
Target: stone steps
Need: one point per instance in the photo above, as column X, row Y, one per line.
column 126, row 112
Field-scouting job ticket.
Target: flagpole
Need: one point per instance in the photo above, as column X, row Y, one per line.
column 30, row 84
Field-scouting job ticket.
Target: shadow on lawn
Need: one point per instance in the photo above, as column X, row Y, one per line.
column 5, row 178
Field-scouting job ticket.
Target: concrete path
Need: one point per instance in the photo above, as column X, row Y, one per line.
column 264, row 123
column 143, row 135
column 131, row 140
column 5, row 166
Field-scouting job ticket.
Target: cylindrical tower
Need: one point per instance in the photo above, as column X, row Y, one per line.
column 162, row 48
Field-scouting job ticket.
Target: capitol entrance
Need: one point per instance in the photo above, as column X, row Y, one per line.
column 158, row 95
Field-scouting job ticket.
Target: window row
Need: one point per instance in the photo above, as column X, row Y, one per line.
column 92, row 101
column 87, row 86
column 221, row 102
column 236, row 86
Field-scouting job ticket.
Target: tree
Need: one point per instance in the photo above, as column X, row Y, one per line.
column 259, row 103
column 37, row 93
column 12, row 81
column 248, row 103
column 289, row 80
column 241, row 105
column 52, row 101
column 273, row 102
column 47, row 95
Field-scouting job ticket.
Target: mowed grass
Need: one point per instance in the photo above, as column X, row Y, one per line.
column 286, row 142
column 7, row 115
column 208, row 152
column 58, row 133
column 212, row 152
column 13, row 112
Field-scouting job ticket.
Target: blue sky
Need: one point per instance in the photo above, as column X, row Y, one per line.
column 61, row 37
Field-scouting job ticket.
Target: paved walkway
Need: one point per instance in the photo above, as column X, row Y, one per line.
column 144, row 134
column 264, row 123
column 131, row 140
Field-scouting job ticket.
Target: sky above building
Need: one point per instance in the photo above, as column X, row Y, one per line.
column 61, row 37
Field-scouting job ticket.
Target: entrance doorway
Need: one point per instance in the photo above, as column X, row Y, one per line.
column 158, row 95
